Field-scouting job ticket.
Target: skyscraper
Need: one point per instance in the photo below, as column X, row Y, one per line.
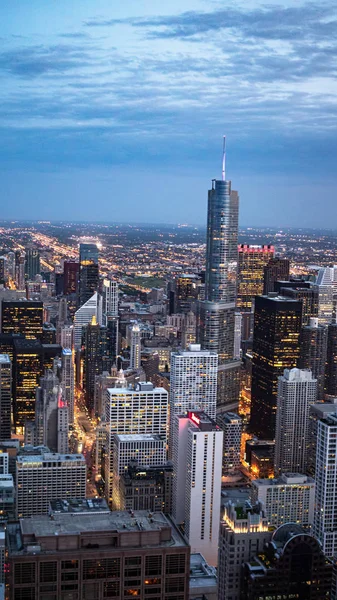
column 277, row 268
column 331, row 364
column 325, row 519
column 5, row 396
column 71, row 276
column 217, row 311
column 186, row 292
column 231, row 425
column 68, row 381
column 110, row 298
column 135, row 347
column 252, row 260
column 89, row 272
column 313, row 352
column 277, row 325
column 27, row 369
column 32, row 263
column 95, row 358
column 197, row 466
column 83, row 316
column 22, row 316
column 193, row 381
column 297, row 391
column 326, row 286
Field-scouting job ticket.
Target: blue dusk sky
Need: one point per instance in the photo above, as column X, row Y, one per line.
column 115, row 110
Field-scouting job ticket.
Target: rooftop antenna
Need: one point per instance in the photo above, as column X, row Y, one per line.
column 224, row 159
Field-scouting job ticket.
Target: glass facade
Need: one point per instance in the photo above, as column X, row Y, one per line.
column 89, row 272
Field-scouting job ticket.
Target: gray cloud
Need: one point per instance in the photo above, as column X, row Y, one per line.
column 32, row 61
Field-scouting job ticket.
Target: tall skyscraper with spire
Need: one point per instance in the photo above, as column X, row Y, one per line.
column 216, row 318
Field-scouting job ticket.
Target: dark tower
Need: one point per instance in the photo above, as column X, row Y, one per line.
column 277, row 325
column 331, row 363
column 313, row 352
column 89, row 272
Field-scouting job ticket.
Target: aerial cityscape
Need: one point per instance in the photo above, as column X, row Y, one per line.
column 168, row 301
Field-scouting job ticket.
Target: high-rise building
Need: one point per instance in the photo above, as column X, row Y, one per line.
column 216, row 313
column 197, row 469
column 142, row 410
column 288, row 499
column 186, row 292
column 115, row 555
column 193, row 381
column 71, row 277
column 19, row 270
column 317, row 412
column 188, row 330
column 135, row 347
column 331, row 363
column 46, row 476
column 277, row 325
column 243, row 533
column 297, row 391
column 27, row 369
column 251, row 263
column 5, row 396
column 68, row 382
column 325, row 520
column 146, row 488
column 237, row 335
column 110, row 298
column 304, row 292
column 231, row 425
column 326, row 286
column 67, row 336
column 313, row 353
column 22, row 316
column 32, row 263
column 292, row 565
column 83, row 316
column 276, row 269
column 95, row 359
column 51, row 425
column 7, row 499
column 89, row 272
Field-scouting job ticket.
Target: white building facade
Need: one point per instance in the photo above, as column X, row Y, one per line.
column 325, row 521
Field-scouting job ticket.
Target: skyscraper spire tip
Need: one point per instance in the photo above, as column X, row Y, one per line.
column 224, row 159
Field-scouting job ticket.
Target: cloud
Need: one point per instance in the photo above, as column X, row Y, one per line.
column 32, row 61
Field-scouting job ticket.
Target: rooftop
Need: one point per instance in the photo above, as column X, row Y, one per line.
column 50, row 457
column 201, row 574
column 140, row 437
column 31, row 532
column 78, row 505
column 285, row 478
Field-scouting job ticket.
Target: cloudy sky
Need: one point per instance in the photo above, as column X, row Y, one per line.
column 115, row 110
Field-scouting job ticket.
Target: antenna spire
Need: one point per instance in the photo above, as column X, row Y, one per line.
column 224, row 159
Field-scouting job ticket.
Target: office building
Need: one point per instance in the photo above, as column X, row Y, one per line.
column 45, row 476
column 193, row 381
column 19, row 270
column 141, row 410
column 189, row 330
column 7, row 498
column 149, row 450
column 95, row 359
column 326, row 286
column 4, row 462
column 243, row 533
column 68, row 382
column 313, row 353
column 216, row 314
column 297, row 391
column 304, row 292
column 71, row 277
column 277, row 269
column 110, row 298
column 66, row 338
column 277, row 325
column 317, row 412
column 146, row 488
column 135, row 347
column 231, row 425
column 237, row 335
column 331, row 362
column 32, row 263
column 27, row 369
column 251, row 262
column 292, row 565
column 48, row 334
column 186, row 292
column 5, row 396
column 89, row 272
column 289, row 498
column 22, row 316
column 83, row 316
column 197, row 468
column 114, row 555
column 325, row 520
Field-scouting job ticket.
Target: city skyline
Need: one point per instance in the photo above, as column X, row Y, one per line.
column 106, row 106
